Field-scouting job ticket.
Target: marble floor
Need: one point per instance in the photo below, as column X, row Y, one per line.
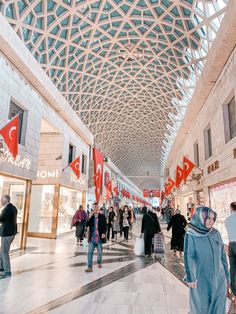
column 50, row 278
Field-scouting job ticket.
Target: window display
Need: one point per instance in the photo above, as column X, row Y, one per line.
column 41, row 208
column 220, row 198
column 68, row 204
column 16, row 189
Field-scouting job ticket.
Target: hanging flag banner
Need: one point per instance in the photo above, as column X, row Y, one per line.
column 108, row 190
column 162, row 196
column 109, row 186
column 10, row 135
column 145, row 193
column 188, row 167
column 116, row 190
column 154, row 193
column 166, row 188
column 98, row 172
column 179, row 176
column 171, row 184
column 107, row 178
column 75, row 166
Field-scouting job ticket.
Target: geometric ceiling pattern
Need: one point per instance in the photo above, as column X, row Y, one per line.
column 128, row 68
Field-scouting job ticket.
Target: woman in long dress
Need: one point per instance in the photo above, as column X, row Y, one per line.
column 79, row 221
column 206, row 266
column 178, row 224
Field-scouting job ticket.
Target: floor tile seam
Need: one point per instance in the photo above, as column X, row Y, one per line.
column 79, row 292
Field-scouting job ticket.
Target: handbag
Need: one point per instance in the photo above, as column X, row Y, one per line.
column 139, row 246
column 159, row 243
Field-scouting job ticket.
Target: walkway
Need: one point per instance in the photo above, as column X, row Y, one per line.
column 50, row 278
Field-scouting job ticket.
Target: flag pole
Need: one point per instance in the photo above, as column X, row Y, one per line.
column 66, row 167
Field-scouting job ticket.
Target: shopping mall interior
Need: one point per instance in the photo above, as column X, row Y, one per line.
column 115, row 102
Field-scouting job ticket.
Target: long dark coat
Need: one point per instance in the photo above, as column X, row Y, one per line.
column 178, row 224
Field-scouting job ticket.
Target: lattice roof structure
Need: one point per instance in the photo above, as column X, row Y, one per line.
column 128, row 68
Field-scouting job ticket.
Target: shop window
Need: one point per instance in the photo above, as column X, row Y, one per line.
column 207, row 142
column 69, row 202
column 71, row 155
column 23, row 114
column 16, row 189
column 196, row 153
column 84, row 164
column 41, row 208
column 229, row 112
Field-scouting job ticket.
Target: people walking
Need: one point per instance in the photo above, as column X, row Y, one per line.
column 110, row 217
column 205, row 263
column 116, row 223
column 79, row 221
column 121, row 221
column 178, row 224
column 230, row 224
column 97, row 228
column 8, row 230
column 126, row 222
column 150, row 226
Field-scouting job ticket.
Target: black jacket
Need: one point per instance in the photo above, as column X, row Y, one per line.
column 150, row 224
column 111, row 216
column 102, row 227
column 8, row 219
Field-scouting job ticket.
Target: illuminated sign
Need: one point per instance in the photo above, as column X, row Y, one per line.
column 48, row 174
column 6, row 157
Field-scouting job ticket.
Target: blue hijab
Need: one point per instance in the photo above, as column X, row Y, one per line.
column 197, row 225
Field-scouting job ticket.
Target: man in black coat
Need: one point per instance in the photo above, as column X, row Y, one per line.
column 8, row 230
column 97, row 228
column 150, row 226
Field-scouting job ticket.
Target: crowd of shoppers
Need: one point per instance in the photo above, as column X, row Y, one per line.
column 205, row 261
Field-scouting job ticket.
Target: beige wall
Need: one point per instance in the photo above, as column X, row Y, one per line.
column 212, row 112
column 41, row 151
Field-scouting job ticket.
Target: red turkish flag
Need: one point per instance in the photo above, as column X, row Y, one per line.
column 107, row 178
column 75, row 166
column 98, row 172
column 109, row 186
column 145, row 193
column 166, row 188
column 179, row 176
column 156, row 193
column 116, row 190
column 162, row 196
column 171, row 184
column 10, row 135
column 188, row 167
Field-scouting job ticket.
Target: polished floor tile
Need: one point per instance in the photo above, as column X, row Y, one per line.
column 50, row 278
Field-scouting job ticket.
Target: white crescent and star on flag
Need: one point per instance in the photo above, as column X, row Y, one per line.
column 12, row 129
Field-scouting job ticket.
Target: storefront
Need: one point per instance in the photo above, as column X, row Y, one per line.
column 69, row 201
column 52, row 208
column 19, row 191
column 221, row 196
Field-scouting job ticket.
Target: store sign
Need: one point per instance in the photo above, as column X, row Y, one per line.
column 6, row 157
column 73, row 178
column 212, row 167
column 43, row 174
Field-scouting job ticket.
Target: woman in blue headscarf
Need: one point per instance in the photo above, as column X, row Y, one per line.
column 205, row 264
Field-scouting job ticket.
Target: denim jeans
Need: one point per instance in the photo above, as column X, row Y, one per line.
column 91, row 248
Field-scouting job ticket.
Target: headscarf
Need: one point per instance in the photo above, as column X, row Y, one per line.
column 197, row 225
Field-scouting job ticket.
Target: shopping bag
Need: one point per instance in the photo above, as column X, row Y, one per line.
column 85, row 242
column 139, row 246
column 159, row 243
column 228, row 305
